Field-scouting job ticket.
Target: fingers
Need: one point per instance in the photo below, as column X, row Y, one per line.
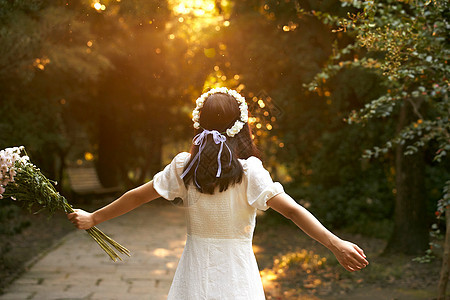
column 354, row 259
column 75, row 218
column 359, row 255
column 356, row 264
column 359, row 261
column 353, row 266
column 81, row 219
column 73, row 214
column 362, row 260
column 360, row 251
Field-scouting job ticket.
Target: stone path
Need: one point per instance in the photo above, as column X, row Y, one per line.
column 155, row 233
column 78, row 269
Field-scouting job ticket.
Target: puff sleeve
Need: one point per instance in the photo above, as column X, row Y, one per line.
column 168, row 183
column 260, row 186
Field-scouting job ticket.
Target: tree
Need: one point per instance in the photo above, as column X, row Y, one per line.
column 405, row 42
column 45, row 67
column 308, row 147
column 162, row 63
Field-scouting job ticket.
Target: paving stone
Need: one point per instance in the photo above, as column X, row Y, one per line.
column 17, row 295
column 126, row 296
column 78, row 269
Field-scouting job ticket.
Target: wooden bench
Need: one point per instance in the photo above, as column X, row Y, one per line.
column 84, row 181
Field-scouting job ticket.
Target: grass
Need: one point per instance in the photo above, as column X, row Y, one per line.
column 386, row 277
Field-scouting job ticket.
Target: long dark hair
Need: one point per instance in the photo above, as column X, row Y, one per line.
column 219, row 112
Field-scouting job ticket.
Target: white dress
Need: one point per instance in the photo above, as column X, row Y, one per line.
column 218, row 261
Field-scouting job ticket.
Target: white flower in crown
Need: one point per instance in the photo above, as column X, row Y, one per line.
column 244, row 117
column 231, row 132
column 196, row 115
column 200, row 102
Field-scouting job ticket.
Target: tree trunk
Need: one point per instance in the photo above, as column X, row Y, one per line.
column 153, row 161
column 107, row 166
column 442, row 288
column 156, row 161
column 62, row 166
column 410, row 235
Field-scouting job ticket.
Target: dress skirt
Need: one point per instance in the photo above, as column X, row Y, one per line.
column 212, row 268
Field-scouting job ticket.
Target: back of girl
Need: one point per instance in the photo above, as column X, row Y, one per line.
column 223, row 183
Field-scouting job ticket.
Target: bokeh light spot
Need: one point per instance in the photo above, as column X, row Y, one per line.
column 88, row 156
column 261, row 103
column 97, row 5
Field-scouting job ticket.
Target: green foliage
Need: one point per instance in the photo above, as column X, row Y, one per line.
column 321, row 154
column 345, row 192
column 406, row 43
column 31, row 188
column 115, row 83
column 45, row 67
column 445, row 200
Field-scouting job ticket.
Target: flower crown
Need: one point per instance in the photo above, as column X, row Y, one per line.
column 231, row 132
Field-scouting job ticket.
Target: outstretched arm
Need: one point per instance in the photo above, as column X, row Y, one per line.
column 349, row 255
column 127, row 202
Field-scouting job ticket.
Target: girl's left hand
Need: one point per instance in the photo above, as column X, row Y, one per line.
column 350, row 256
column 81, row 219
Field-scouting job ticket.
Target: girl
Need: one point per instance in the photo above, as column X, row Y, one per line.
column 222, row 183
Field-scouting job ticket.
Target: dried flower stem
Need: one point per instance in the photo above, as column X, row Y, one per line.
column 100, row 237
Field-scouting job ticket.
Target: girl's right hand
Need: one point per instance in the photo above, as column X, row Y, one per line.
column 81, row 219
column 350, row 256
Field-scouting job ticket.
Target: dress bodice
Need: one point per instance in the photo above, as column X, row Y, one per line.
column 224, row 215
column 218, row 260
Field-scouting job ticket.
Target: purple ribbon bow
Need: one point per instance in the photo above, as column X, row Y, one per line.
column 200, row 140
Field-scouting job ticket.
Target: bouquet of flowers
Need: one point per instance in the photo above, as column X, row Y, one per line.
column 22, row 181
